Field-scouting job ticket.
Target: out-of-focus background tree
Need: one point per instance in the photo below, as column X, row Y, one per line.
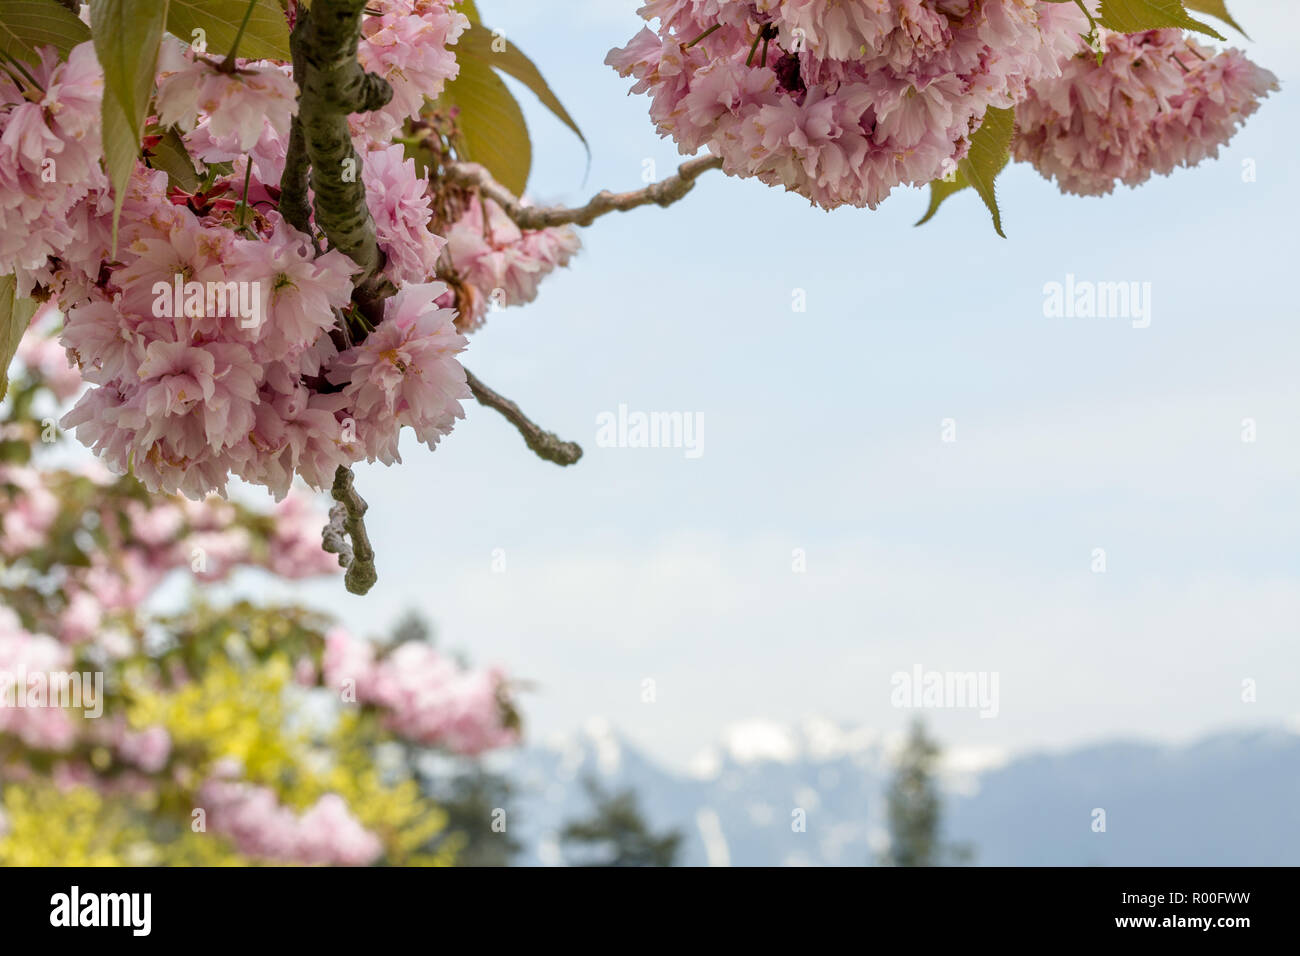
column 915, row 808
column 148, row 716
column 616, row 833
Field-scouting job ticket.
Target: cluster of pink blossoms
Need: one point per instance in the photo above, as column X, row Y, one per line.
column 259, row 826
column 426, row 696
column 216, row 339
column 236, row 107
column 49, row 159
column 495, row 264
column 22, row 655
column 399, row 203
column 405, row 373
column 841, row 100
column 210, row 338
column 406, row 42
column 1157, row 100
column 146, row 545
column 29, row 510
column 32, row 671
column 191, row 388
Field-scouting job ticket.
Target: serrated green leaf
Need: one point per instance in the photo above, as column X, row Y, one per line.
column 127, row 34
column 1134, row 16
column 26, row 25
column 171, row 156
column 265, row 38
column 477, row 43
column 15, row 315
column 491, row 124
column 940, row 190
column 1217, row 9
column 990, row 149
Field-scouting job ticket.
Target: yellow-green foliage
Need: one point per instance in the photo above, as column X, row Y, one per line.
column 75, row 826
column 245, row 709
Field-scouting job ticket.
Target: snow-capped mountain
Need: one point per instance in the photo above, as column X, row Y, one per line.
column 1231, row 799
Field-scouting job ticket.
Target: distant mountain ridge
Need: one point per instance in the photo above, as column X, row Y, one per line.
column 1231, row 799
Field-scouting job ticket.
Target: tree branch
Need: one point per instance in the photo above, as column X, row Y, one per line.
column 297, row 168
column 543, row 217
column 332, row 86
column 346, row 536
column 544, row 444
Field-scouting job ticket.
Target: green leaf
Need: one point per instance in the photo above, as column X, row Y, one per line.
column 28, row 24
column 121, row 150
column 15, row 315
column 491, row 124
column 265, row 38
column 127, row 34
column 470, row 9
column 940, row 190
column 990, row 149
column 171, row 156
column 1134, row 16
column 1217, row 9
column 477, row 43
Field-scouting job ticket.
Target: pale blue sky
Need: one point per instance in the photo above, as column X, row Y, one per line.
column 822, row 432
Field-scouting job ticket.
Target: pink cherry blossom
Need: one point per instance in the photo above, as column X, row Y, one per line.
column 299, row 290
column 235, row 104
column 840, row 101
column 294, row 549
column 27, row 664
column 499, row 265
column 29, row 509
column 49, row 158
column 408, row 45
column 427, row 698
column 81, row 619
column 148, row 749
column 399, row 202
column 405, row 373
column 259, row 826
column 1158, row 100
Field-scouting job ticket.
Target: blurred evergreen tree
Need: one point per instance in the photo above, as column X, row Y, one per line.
column 915, row 809
column 412, row 626
column 477, row 823
column 616, row 833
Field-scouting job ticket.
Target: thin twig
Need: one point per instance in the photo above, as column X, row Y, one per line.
column 544, row 444
column 544, row 217
column 229, row 64
column 346, row 536
column 716, row 26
